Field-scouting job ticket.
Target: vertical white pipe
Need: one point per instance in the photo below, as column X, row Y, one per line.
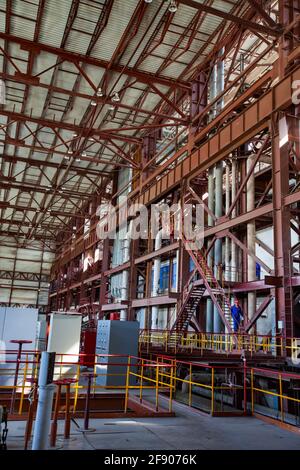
column 156, row 274
column 125, row 273
column 218, row 324
column 251, row 238
column 233, row 245
column 177, row 271
column 210, row 259
column 227, row 205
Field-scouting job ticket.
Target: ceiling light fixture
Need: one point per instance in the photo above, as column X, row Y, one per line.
column 116, row 97
column 111, row 107
column 172, row 6
column 83, row 154
column 93, row 103
column 70, row 151
column 78, row 159
column 99, row 92
column 66, row 157
column 148, row 1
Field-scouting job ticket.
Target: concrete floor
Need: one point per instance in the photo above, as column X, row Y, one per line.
column 188, row 430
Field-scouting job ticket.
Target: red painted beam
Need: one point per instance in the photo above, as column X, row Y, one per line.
column 275, row 32
column 83, row 59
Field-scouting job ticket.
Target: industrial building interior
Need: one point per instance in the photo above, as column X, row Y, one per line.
column 121, row 328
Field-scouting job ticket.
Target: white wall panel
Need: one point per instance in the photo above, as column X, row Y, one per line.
column 64, row 338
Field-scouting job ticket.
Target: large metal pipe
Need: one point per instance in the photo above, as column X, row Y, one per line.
column 210, row 258
column 251, row 233
column 218, row 324
column 227, row 205
column 125, row 273
column 156, row 275
column 233, row 245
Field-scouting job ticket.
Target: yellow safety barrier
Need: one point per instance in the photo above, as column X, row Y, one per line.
column 190, row 341
column 146, row 373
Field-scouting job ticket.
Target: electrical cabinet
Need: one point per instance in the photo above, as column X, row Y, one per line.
column 115, row 337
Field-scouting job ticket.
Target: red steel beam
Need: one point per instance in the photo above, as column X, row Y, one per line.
column 29, row 80
column 83, row 59
column 275, row 32
column 51, row 124
column 38, row 163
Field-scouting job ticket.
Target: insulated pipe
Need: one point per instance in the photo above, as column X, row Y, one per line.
column 210, row 258
column 233, row 245
column 213, row 89
column 251, row 233
column 218, row 243
column 219, row 67
column 220, row 81
column 156, row 274
column 177, row 271
column 227, row 205
column 125, row 273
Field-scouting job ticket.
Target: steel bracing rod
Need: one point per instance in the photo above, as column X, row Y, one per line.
column 265, row 193
column 72, row 157
column 264, row 246
column 263, row 14
column 275, row 32
column 77, row 94
column 167, row 100
column 31, row 162
column 245, row 180
column 123, row 155
column 259, row 312
column 198, row 198
column 235, row 81
column 23, row 276
column 36, row 209
column 249, row 252
column 52, row 124
column 73, row 57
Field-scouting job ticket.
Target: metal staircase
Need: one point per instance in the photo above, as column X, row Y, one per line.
column 191, row 299
column 216, row 292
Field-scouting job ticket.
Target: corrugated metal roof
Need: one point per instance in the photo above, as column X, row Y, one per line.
column 57, row 25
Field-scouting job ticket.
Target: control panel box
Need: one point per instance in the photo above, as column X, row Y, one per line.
column 120, row 338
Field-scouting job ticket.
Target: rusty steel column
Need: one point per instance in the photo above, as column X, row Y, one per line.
column 282, row 237
column 199, row 100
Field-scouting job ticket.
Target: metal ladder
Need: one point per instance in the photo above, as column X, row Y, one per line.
column 191, row 298
column 216, row 292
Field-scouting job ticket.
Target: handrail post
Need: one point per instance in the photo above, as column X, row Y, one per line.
column 245, row 386
column 252, row 391
column 190, row 387
column 23, row 385
column 127, row 385
column 212, row 390
column 156, row 387
column 141, row 385
column 171, row 390
column 281, row 398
